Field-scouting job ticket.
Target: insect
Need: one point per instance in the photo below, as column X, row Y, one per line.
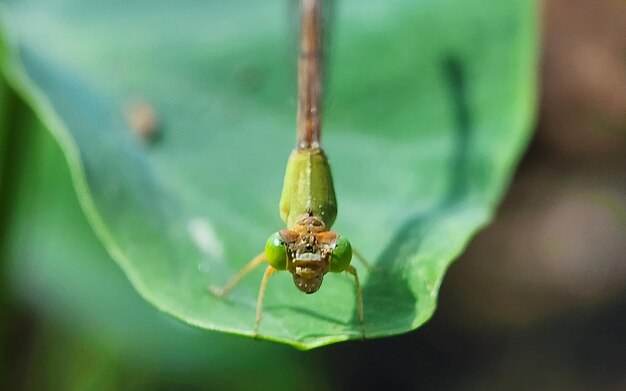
column 306, row 248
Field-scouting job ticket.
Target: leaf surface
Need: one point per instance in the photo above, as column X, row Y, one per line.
column 428, row 110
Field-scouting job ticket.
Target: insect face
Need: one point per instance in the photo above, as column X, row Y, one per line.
column 309, row 263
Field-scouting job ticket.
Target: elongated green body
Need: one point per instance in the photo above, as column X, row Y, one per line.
column 308, row 189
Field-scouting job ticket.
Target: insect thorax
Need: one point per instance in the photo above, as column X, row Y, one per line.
column 308, row 188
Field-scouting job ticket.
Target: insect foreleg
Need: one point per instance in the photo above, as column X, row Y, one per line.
column 223, row 291
column 362, row 259
column 259, row 303
column 359, row 298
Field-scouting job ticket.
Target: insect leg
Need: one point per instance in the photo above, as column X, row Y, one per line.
column 217, row 291
column 365, row 262
column 359, row 298
column 259, row 303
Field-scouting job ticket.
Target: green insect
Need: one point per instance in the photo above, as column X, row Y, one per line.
column 307, row 248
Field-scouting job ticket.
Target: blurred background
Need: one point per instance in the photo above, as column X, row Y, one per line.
column 538, row 300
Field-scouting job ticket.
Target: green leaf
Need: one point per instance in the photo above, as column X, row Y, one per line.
column 428, row 111
column 58, row 266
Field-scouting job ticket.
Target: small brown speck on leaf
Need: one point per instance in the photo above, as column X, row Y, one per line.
column 143, row 121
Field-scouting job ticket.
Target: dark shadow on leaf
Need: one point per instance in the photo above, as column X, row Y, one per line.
column 386, row 293
column 277, row 309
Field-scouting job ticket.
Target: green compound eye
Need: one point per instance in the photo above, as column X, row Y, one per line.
column 341, row 255
column 276, row 252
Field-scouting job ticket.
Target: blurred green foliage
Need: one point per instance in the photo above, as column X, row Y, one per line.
column 429, row 108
